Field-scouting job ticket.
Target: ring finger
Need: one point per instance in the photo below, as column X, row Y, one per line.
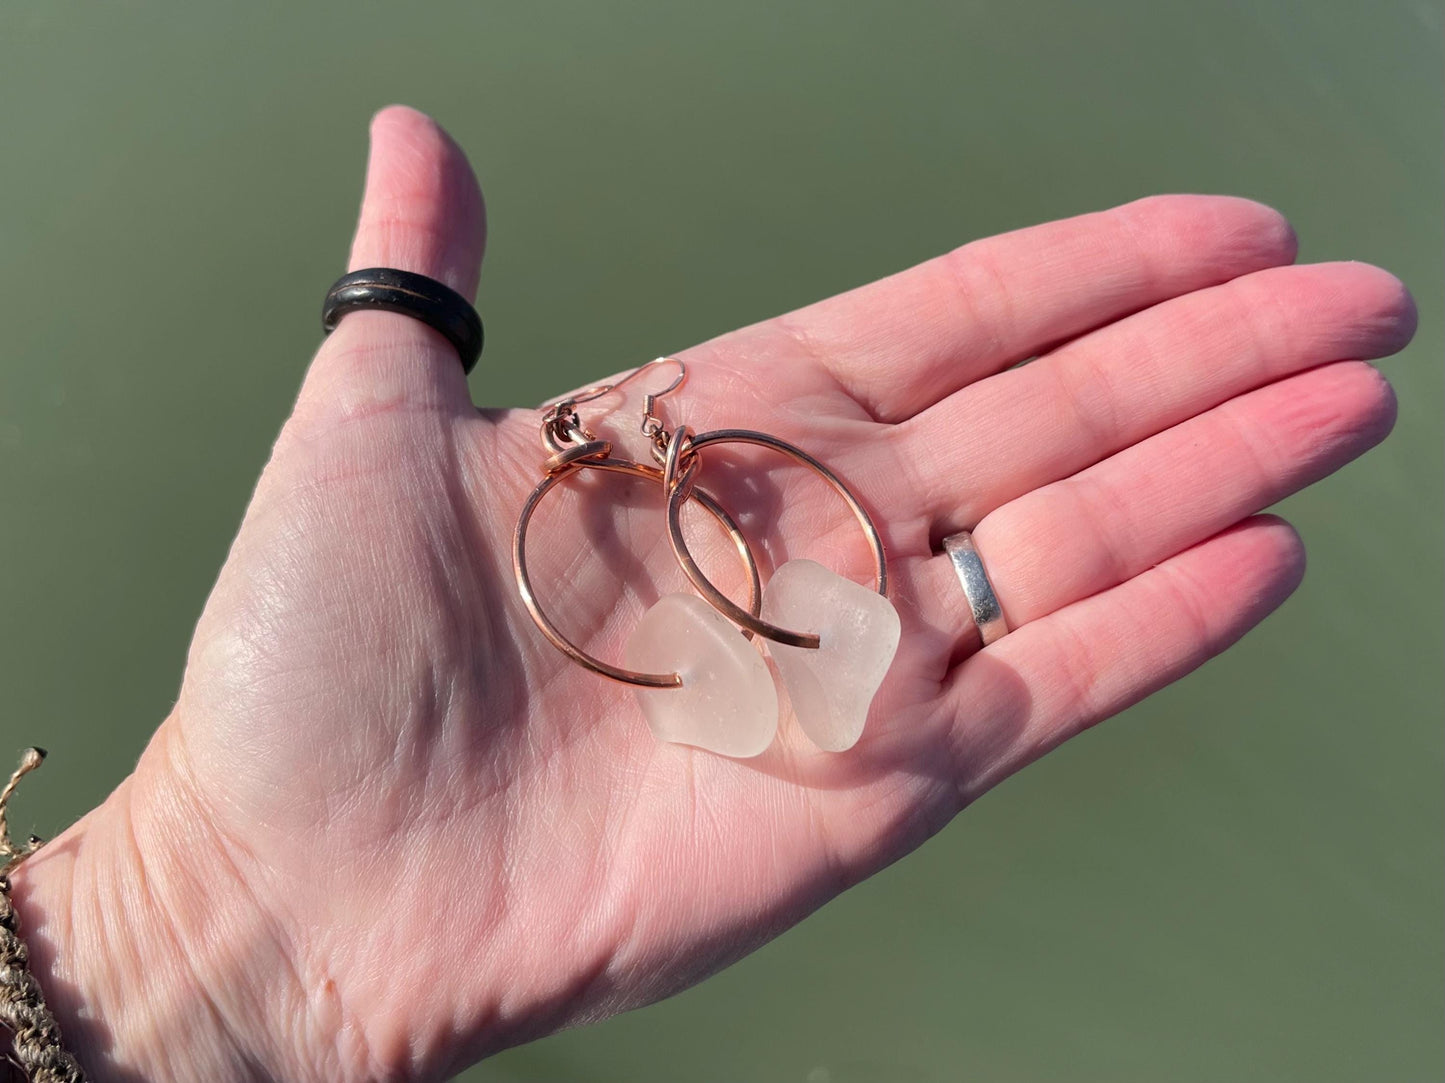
column 1084, row 534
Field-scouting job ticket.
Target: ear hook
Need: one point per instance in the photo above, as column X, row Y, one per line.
column 651, row 424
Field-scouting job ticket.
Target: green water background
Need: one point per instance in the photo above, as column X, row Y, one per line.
column 1238, row 880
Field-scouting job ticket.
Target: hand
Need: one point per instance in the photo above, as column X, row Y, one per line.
column 389, row 829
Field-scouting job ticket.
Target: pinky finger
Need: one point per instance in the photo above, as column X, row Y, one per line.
column 1090, row 660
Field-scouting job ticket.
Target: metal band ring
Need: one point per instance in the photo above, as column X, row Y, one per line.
column 982, row 601
column 433, row 303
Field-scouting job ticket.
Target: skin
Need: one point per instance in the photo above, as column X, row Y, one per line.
column 388, row 829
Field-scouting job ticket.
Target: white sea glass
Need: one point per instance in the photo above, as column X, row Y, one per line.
column 727, row 703
column 831, row 687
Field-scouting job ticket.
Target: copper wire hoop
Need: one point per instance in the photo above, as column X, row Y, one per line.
column 596, row 456
column 681, row 455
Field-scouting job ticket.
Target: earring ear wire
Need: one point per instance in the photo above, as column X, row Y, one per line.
column 564, row 410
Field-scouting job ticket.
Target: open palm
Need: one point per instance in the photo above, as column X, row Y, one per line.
column 394, row 829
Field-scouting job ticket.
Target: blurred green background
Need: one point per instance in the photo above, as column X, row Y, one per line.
column 1240, row 879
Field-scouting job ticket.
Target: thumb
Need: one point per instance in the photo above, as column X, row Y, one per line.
column 422, row 211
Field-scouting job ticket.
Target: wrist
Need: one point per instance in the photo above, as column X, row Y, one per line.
column 150, row 971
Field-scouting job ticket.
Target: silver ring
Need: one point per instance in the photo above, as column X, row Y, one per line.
column 987, row 613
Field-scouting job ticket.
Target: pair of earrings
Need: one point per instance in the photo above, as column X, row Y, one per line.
column 697, row 680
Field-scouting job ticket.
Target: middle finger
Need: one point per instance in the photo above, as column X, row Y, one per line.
column 1012, row 433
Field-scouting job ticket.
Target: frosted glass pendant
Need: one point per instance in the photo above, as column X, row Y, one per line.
column 727, row 703
column 831, row 687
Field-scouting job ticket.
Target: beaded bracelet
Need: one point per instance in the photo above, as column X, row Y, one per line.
column 38, row 1051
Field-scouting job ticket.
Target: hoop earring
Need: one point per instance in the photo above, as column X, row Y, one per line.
column 833, row 669
column 718, row 694
column 685, row 447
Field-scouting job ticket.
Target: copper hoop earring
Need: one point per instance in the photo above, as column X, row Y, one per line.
column 680, row 466
column 574, row 449
column 728, row 703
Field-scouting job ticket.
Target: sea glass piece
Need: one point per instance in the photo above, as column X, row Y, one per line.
column 727, row 702
column 831, row 687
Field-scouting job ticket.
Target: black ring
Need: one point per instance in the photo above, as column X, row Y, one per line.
column 413, row 295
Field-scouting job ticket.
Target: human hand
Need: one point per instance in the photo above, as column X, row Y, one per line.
column 389, row 829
